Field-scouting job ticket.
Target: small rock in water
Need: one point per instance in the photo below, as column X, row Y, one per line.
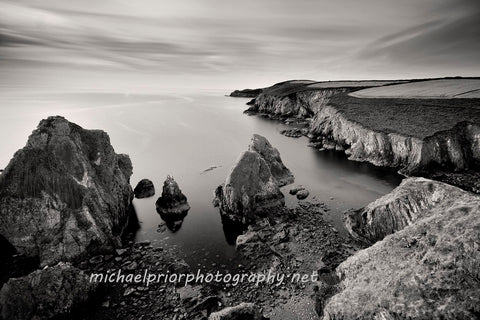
column 295, row 190
column 144, row 189
column 302, row 194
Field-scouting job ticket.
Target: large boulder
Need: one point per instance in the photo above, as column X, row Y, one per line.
column 249, row 189
column 144, row 189
column 65, row 194
column 428, row 270
column 243, row 311
column 271, row 155
column 173, row 203
column 47, row 293
column 406, row 204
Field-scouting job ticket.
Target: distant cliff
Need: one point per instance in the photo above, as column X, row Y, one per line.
column 65, row 193
column 246, row 93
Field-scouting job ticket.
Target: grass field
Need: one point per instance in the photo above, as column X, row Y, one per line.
column 412, row 117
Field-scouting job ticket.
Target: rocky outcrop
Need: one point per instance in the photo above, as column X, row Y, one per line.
column 47, row 293
column 271, row 155
column 243, row 311
column 65, row 194
column 454, row 149
column 409, row 202
column 428, row 270
column 249, row 189
column 144, row 189
column 173, row 203
column 246, row 93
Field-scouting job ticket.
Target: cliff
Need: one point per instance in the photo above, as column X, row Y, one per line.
column 427, row 270
column 246, row 93
column 65, row 194
column 409, row 202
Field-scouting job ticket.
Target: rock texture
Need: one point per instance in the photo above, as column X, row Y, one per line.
column 243, row 311
column 173, row 203
column 144, row 189
column 65, row 193
column 271, row 155
column 47, row 293
column 249, row 189
column 409, row 202
column 428, row 270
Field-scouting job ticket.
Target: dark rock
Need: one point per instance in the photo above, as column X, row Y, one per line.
column 173, row 203
column 249, row 189
column 246, row 93
column 47, row 293
column 294, row 190
column 65, row 194
column 243, row 311
column 144, row 189
column 293, row 133
column 302, row 194
column 271, row 155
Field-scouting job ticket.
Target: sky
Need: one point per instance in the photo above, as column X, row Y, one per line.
column 155, row 45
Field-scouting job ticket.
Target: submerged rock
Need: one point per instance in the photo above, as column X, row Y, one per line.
column 271, row 155
column 294, row 190
column 173, row 203
column 428, row 270
column 65, row 194
column 302, row 194
column 249, row 189
column 144, row 189
column 407, row 203
column 47, row 293
column 243, row 311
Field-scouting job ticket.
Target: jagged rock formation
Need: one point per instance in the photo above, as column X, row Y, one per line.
column 144, row 189
column 409, row 202
column 246, row 93
column 47, row 293
column 243, row 311
column 249, row 189
column 65, row 194
column 428, row 270
column 173, row 203
column 271, row 155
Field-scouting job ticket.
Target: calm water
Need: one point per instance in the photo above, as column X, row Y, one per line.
column 184, row 135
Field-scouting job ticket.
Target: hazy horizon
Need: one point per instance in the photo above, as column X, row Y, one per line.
column 152, row 46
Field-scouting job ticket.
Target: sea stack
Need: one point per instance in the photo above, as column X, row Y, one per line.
column 65, row 194
column 173, row 203
column 250, row 189
column 144, row 189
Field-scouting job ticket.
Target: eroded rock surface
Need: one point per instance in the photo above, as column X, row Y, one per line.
column 409, row 202
column 173, row 203
column 46, row 293
column 271, row 155
column 144, row 189
column 65, row 193
column 249, row 189
column 428, row 270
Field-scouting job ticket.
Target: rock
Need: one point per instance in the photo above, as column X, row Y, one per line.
column 249, row 189
column 271, row 155
column 407, row 203
column 243, row 311
column 292, row 133
column 428, row 270
column 302, row 194
column 294, row 190
column 44, row 294
column 144, row 189
column 172, row 203
column 65, row 194
column 247, row 237
column 246, row 93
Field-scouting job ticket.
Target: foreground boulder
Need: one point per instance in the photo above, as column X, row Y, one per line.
column 243, row 311
column 65, row 193
column 409, row 202
column 249, row 189
column 271, row 155
column 428, row 270
column 46, row 293
column 173, row 203
column 144, row 189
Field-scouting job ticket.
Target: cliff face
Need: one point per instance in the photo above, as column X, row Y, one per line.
column 65, row 193
column 302, row 104
column 457, row 148
column 428, row 270
column 409, row 202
